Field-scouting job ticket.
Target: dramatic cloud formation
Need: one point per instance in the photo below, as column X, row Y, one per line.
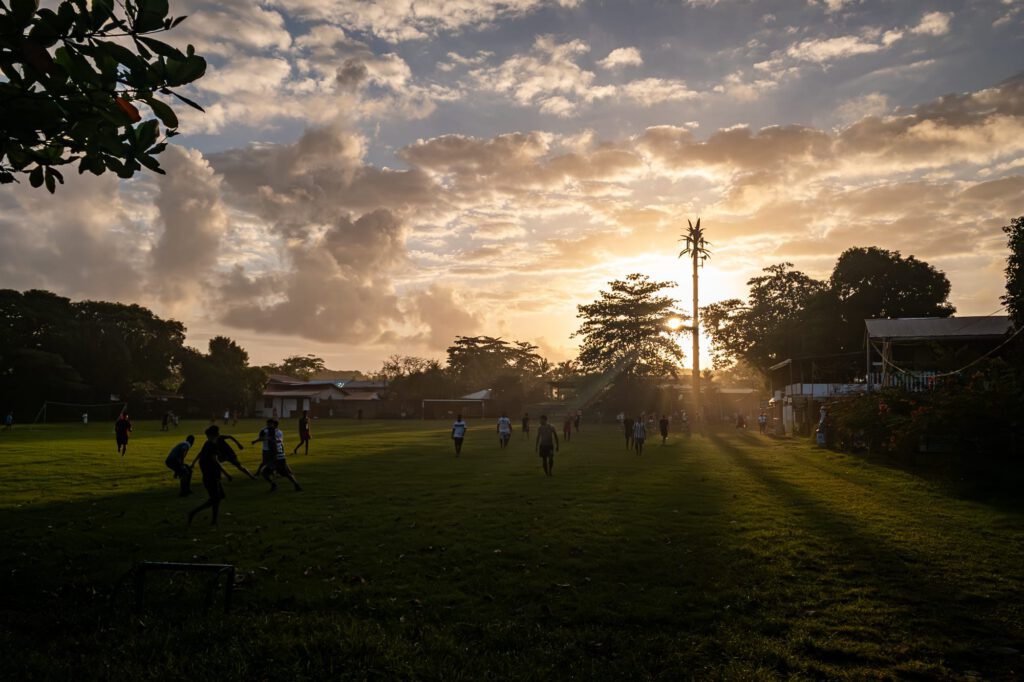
column 378, row 177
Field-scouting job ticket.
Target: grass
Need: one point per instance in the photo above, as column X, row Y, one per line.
column 730, row 556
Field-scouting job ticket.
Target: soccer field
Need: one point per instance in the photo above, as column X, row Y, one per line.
column 727, row 556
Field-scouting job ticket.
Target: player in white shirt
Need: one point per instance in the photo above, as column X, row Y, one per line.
column 458, row 433
column 639, row 434
column 504, row 430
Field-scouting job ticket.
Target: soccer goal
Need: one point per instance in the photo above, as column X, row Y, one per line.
column 53, row 412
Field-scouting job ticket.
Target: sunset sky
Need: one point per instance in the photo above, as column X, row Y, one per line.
column 377, row 177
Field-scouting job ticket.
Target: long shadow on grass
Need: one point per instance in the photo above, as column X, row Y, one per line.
column 926, row 603
column 626, row 583
column 992, row 480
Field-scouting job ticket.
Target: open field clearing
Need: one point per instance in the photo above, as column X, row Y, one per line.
column 731, row 556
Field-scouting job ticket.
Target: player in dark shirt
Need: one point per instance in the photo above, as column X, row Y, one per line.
column 546, row 444
column 663, row 428
column 627, row 425
column 176, row 462
column 304, row 434
column 211, row 470
column 122, row 428
column 225, row 453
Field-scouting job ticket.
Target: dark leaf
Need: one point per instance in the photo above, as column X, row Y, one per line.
column 22, row 10
column 163, row 112
column 189, row 102
column 182, row 72
column 162, row 48
column 35, row 178
column 151, row 15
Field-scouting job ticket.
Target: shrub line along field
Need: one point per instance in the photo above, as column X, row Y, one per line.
column 726, row 556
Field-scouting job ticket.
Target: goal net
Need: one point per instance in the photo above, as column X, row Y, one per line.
column 57, row 412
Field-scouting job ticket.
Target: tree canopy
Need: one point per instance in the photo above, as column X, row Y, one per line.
column 629, row 324
column 221, row 378
column 300, row 366
column 789, row 315
column 79, row 103
column 1014, row 297
column 54, row 349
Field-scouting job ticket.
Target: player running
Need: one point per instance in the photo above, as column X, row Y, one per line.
column 304, row 434
column 225, row 453
column 212, row 471
column 567, row 428
column 122, row 429
column 266, row 436
column 504, row 430
column 546, row 445
column 526, row 423
column 663, row 428
column 279, row 464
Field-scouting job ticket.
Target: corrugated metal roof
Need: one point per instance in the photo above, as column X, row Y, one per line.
column 483, row 394
column 921, row 328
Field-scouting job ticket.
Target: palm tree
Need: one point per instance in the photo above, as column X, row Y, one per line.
column 697, row 249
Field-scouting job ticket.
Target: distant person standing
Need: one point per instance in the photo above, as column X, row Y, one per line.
column 176, row 462
column 212, row 471
column 227, row 417
column 639, row 435
column 504, row 430
column 576, row 420
column 304, row 435
column 567, row 428
column 663, row 428
column 166, row 421
column 458, row 433
column 627, row 428
column 762, row 423
column 9, row 421
column 122, row 429
column 526, row 423
column 546, row 445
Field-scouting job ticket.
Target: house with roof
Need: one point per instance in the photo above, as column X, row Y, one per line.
column 286, row 397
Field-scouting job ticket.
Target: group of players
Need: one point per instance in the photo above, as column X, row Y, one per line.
column 218, row 449
column 546, row 443
column 635, row 431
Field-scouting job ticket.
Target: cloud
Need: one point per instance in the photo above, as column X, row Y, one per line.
column 193, row 221
column 548, row 71
column 933, row 24
column 444, row 316
column 871, row 104
column 650, row 91
column 81, row 242
column 830, row 49
column 401, row 20
column 622, row 57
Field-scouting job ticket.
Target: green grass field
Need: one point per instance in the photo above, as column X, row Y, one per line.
column 731, row 556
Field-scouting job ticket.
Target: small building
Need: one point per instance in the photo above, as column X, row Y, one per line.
column 471, row 405
column 911, row 352
column 286, row 397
